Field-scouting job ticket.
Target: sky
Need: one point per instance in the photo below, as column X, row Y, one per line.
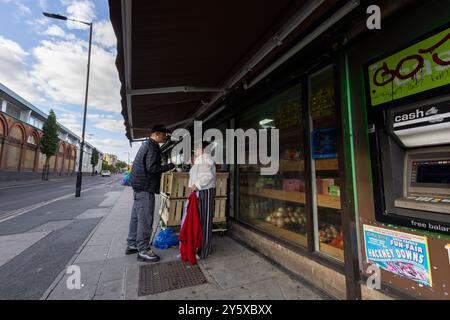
column 45, row 61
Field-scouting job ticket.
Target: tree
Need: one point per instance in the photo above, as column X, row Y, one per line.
column 49, row 142
column 108, row 167
column 94, row 159
column 121, row 165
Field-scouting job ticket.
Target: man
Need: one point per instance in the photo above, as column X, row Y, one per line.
column 145, row 179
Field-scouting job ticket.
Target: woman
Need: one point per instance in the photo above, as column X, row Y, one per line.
column 202, row 180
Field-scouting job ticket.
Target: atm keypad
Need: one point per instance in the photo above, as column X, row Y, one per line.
column 429, row 199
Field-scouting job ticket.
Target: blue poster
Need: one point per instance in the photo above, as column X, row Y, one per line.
column 401, row 253
column 324, row 143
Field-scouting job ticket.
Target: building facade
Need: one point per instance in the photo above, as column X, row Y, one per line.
column 111, row 159
column 20, row 133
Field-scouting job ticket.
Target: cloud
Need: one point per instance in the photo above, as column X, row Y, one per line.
column 60, row 70
column 114, row 146
column 72, row 122
column 54, row 31
column 14, row 71
column 57, row 32
column 104, row 34
column 107, row 123
column 21, row 7
column 83, row 10
column 43, row 4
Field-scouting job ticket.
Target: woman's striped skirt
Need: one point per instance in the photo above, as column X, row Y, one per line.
column 206, row 211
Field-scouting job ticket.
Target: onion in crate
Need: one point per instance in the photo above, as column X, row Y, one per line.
column 280, row 223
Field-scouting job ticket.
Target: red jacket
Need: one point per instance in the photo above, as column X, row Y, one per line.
column 191, row 232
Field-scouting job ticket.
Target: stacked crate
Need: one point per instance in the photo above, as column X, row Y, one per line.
column 174, row 193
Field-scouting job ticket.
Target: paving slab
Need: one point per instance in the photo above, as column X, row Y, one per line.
column 93, row 253
column 111, row 199
column 93, row 213
column 244, row 274
column 90, row 275
column 267, row 289
column 111, row 290
column 292, row 289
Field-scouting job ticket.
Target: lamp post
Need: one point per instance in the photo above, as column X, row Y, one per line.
column 80, row 164
column 128, row 163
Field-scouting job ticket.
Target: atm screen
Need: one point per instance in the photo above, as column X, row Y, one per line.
column 436, row 172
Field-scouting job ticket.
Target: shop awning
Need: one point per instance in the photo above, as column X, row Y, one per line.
column 177, row 60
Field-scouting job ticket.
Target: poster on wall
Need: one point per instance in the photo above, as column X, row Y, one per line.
column 401, row 253
column 418, row 68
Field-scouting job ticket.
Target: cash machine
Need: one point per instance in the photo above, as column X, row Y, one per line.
column 410, row 155
column 408, row 117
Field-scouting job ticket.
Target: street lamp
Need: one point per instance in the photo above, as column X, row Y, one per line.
column 80, row 164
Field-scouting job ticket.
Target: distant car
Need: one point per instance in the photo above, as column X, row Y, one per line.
column 106, row 173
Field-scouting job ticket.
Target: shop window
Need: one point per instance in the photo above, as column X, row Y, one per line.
column 326, row 182
column 276, row 204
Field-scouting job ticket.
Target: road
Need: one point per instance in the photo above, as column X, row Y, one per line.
column 19, row 197
column 41, row 228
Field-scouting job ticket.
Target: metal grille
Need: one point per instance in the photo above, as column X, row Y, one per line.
column 162, row 277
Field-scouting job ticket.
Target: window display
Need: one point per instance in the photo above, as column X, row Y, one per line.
column 276, row 204
column 327, row 204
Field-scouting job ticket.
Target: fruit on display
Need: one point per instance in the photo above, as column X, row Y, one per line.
column 287, row 217
column 330, row 234
column 280, row 222
column 264, row 183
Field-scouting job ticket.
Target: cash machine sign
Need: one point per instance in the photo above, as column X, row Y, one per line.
column 422, row 126
column 418, row 68
column 421, row 116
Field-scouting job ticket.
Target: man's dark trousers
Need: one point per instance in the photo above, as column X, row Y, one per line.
column 141, row 223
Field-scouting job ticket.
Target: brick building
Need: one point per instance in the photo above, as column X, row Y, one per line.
column 20, row 133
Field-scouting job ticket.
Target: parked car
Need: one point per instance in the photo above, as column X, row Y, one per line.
column 106, row 173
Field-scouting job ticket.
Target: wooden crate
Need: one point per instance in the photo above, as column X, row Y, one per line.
column 171, row 210
column 222, row 184
column 175, row 184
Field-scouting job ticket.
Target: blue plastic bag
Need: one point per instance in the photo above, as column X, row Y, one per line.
column 166, row 239
column 126, row 180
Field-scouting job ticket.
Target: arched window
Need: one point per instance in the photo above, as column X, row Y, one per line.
column 2, row 128
column 31, row 139
column 16, row 133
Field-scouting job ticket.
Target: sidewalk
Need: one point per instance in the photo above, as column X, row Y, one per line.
column 233, row 272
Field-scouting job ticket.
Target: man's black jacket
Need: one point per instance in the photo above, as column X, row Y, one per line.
column 147, row 168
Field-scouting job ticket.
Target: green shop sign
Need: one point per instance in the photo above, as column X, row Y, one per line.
column 418, row 68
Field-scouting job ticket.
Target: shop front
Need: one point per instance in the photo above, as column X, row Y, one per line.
column 360, row 197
